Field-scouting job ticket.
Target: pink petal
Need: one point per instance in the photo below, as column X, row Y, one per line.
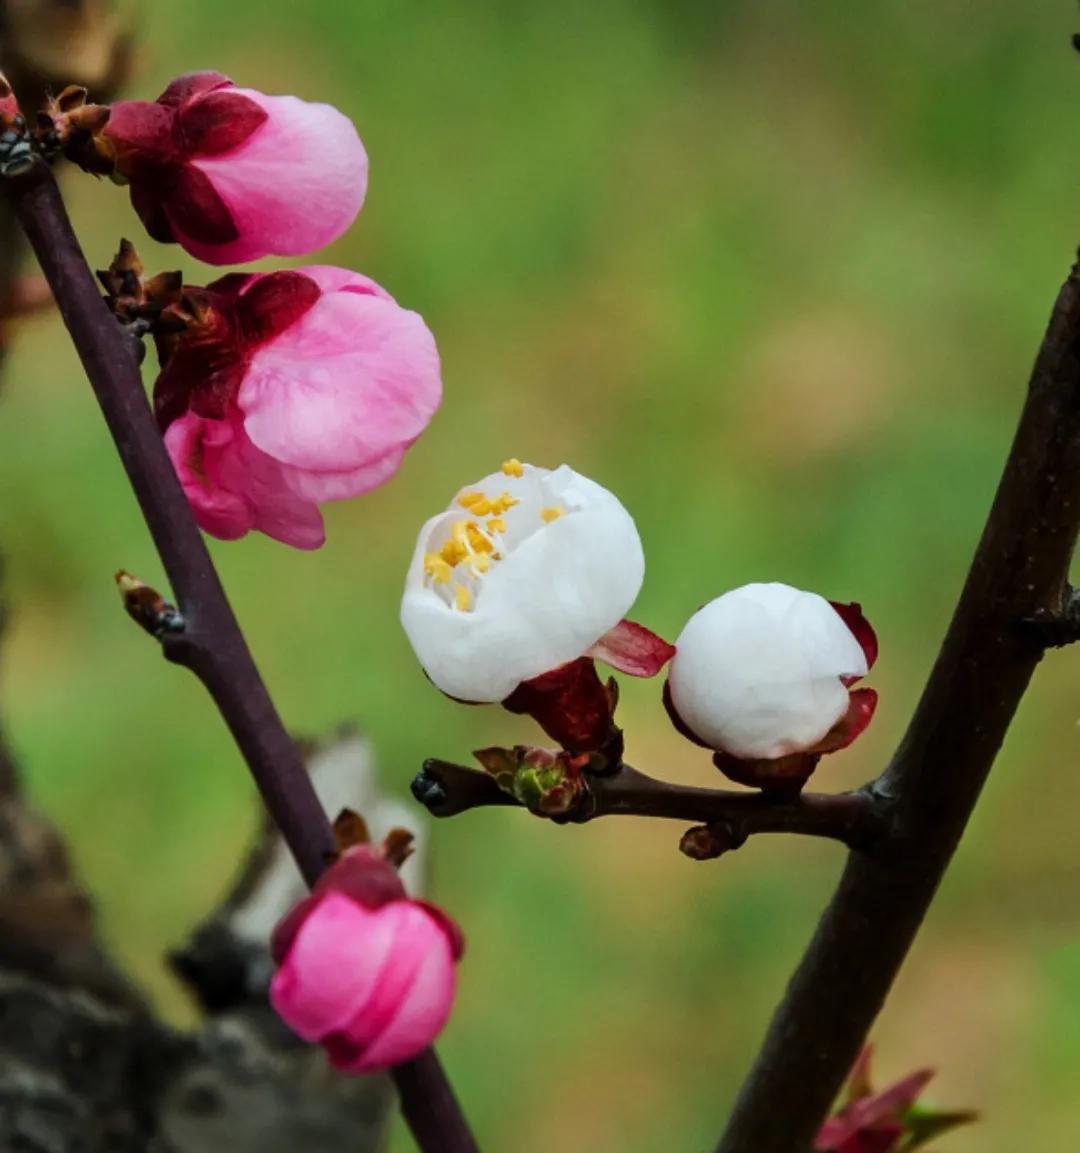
column 418, row 1016
column 320, row 486
column 333, row 967
column 293, row 186
column 220, row 513
column 355, row 378
column 233, row 488
column 330, row 278
column 633, row 649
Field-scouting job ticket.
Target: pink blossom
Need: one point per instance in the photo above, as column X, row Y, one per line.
column 886, row 1120
column 288, row 389
column 9, row 106
column 233, row 175
column 363, row 970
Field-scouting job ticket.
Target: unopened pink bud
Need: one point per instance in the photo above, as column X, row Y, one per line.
column 364, row 971
column 233, row 175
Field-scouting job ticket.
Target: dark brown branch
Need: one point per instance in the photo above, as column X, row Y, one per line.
column 986, row 661
column 857, row 819
column 211, row 645
column 1054, row 630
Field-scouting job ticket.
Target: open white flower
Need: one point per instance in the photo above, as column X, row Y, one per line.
column 764, row 671
column 525, row 571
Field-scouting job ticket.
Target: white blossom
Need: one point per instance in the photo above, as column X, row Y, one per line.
column 763, row 671
column 525, row 570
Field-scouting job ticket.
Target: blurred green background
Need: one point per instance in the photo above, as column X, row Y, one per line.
column 773, row 272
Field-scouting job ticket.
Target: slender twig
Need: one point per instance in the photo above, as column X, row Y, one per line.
column 987, row 658
column 211, row 643
column 856, row 819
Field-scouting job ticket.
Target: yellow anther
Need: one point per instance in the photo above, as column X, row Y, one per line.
column 504, row 503
column 480, row 563
column 437, row 568
column 453, row 552
column 550, row 514
column 496, row 524
column 512, row 467
column 468, row 499
column 478, row 541
column 462, row 598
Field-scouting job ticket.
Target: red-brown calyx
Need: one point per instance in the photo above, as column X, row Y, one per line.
column 154, row 145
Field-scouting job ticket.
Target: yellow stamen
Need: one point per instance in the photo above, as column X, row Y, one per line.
column 480, row 563
column 496, row 524
column 550, row 514
column 477, row 539
column 437, row 568
column 512, row 467
column 504, row 503
column 462, row 598
column 453, row 552
column 468, row 499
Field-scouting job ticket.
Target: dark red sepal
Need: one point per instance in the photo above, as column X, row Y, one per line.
column 852, row 615
column 777, row 775
column 633, row 649
column 448, row 925
column 573, row 706
column 229, row 286
column 196, row 209
column 859, row 714
column 361, row 874
column 190, row 85
column 680, row 725
column 142, row 135
column 274, row 302
column 218, row 123
column 151, row 211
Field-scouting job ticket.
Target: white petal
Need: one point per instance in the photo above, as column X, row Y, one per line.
column 559, row 587
column 757, row 671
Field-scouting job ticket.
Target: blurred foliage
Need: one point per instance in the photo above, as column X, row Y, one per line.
column 775, row 273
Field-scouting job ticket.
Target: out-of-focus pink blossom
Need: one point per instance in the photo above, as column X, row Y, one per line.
column 289, row 389
column 9, row 106
column 232, row 175
column 763, row 676
column 887, row 1120
column 363, row 970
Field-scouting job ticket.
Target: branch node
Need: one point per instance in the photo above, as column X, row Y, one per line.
column 1055, row 630
column 148, row 608
column 707, row 842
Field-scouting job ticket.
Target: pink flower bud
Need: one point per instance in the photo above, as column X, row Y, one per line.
column 289, row 389
column 233, row 175
column 762, row 675
column 887, row 1120
column 363, row 970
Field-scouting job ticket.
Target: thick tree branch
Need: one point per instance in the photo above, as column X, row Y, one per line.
column 211, row 644
column 988, row 656
column 857, row 819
